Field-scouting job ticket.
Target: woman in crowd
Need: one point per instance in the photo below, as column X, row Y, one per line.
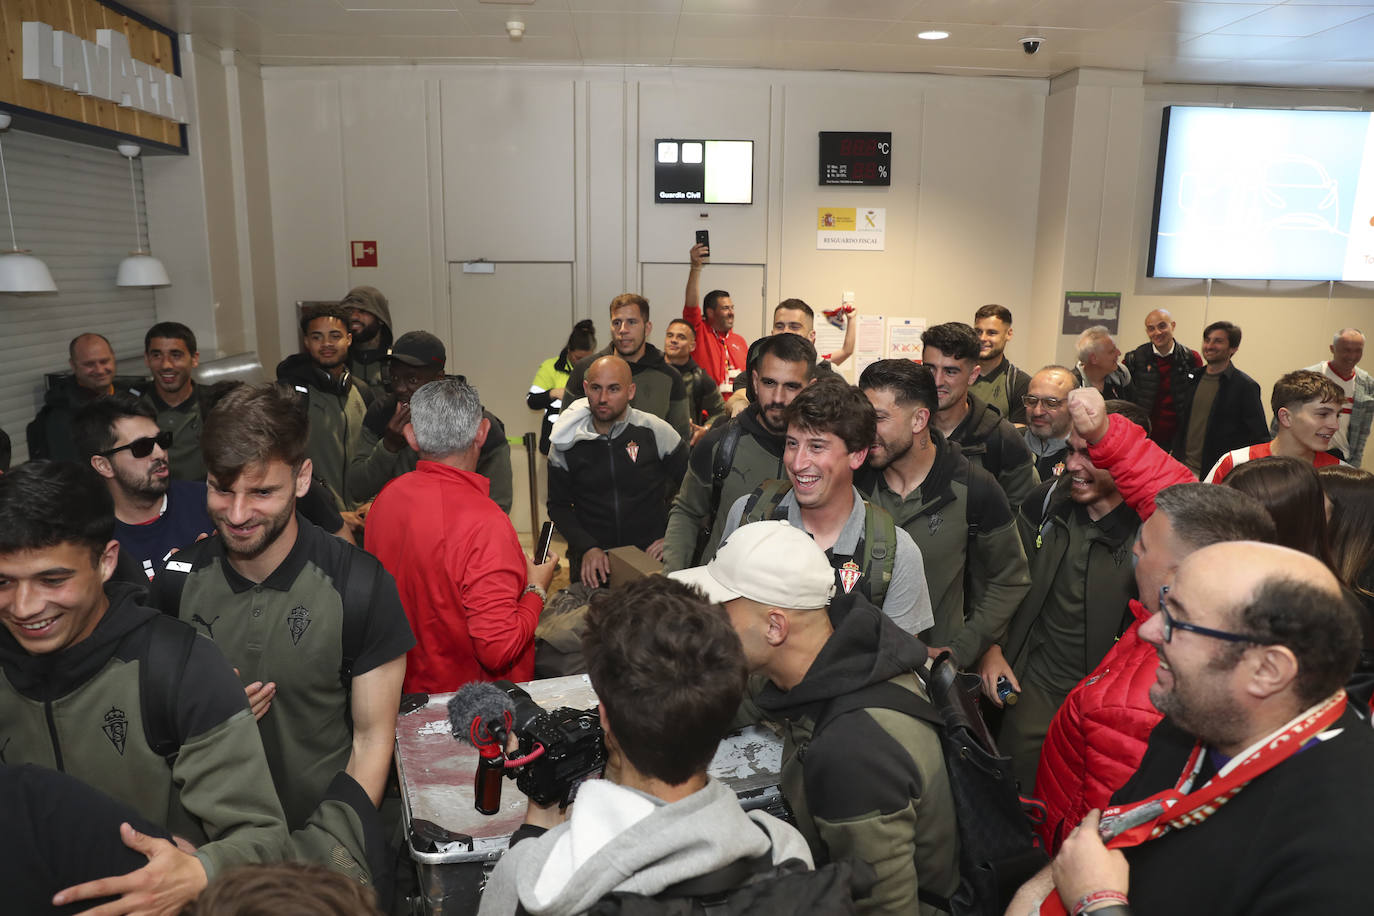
column 1290, row 490
column 1350, row 510
column 546, row 391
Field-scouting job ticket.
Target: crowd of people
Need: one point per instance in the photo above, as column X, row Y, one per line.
column 1143, row 640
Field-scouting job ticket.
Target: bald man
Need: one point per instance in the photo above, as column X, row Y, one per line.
column 1357, row 388
column 613, row 472
column 1163, row 373
column 93, row 374
column 1254, row 643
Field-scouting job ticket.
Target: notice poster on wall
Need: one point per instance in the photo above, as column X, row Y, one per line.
column 1084, row 310
column 851, row 229
column 829, row 341
column 868, row 342
column 904, row 338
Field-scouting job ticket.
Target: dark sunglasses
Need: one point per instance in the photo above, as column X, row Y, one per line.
column 142, row 448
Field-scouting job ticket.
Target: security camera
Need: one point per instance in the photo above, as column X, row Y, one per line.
column 1031, row 43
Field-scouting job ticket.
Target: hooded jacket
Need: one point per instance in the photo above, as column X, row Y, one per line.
column 83, row 710
column 369, row 365
column 337, row 408
column 960, row 519
column 373, row 464
column 620, row 840
column 987, row 438
column 873, row 784
column 659, row 389
column 613, row 490
column 758, row 457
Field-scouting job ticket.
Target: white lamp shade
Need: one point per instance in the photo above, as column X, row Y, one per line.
column 21, row 272
column 142, row 269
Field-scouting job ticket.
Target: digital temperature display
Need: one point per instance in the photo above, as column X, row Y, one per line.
column 851, row 158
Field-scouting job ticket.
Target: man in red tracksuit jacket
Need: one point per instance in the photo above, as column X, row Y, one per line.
column 1098, row 736
column 454, row 554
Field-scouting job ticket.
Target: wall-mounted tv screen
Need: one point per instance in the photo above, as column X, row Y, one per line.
column 1264, row 194
column 704, row 171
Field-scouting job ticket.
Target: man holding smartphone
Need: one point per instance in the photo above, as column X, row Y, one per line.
column 472, row 597
column 720, row 352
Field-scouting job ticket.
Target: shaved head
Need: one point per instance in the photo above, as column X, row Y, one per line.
column 609, row 386
column 609, row 369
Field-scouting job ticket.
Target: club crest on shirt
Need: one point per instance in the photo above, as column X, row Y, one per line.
column 116, row 728
column 849, row 575
column 632, row 449
column 1057, row 469
column 299, row 621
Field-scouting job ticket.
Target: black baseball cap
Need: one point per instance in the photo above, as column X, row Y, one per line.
column 419, row 348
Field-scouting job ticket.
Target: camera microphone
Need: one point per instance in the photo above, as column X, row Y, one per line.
column 480, row 715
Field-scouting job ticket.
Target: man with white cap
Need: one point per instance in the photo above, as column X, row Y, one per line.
column 865, row 779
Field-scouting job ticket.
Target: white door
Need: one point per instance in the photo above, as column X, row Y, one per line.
column 663, row 286
column 505, row 324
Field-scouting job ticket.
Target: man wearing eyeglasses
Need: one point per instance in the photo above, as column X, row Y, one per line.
column 154, row 515
column 1262, row 766
column 1047, row 419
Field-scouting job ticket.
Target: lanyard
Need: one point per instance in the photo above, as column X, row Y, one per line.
column 1173, row 809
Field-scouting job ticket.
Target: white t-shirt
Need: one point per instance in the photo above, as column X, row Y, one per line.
column 1342, row 438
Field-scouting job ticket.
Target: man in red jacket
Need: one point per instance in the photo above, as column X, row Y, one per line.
column 1097, row 737
column 454, row 554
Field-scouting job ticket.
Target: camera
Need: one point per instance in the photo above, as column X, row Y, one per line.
column 1031, row 43
column 573, row 747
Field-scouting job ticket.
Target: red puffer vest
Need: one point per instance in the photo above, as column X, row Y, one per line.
column 1098, row 736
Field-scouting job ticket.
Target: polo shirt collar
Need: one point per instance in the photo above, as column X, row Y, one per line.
column 284, row 576
column 853, row 527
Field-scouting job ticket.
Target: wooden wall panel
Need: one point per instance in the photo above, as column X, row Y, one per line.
column 83, row 18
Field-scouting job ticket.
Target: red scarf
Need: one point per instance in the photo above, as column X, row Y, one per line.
column 1182, row 806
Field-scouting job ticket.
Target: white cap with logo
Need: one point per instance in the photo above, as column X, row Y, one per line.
column 770, row 562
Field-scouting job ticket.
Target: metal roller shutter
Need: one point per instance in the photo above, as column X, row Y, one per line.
column 72, row 209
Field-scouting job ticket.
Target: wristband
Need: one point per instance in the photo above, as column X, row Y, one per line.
column 537, row 590
column 1088, row 900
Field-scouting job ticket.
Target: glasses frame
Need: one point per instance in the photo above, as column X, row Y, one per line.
column 1030, row 400
column 162, row 440
column 1171, row 623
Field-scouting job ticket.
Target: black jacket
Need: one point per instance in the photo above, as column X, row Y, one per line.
column 659, row 388
column 1184, row 366
column 1236, row 420
column 989, row 439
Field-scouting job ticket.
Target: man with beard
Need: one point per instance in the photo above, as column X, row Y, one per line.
column 169, row 350
column 417, row 358
column 1048, row 420
column 985, row 436
column 313, row 624
column 658, row 386
column 1262, row 765
column 720, row 352
column 1225, row 411
column 93, row 374
column 1077, row 531
column 613, row 471
column 954, row 511
column 999, row 383
column 336, row 401
column 369, row 324
column 154, row 515
column 704, row 402
column 740, row 454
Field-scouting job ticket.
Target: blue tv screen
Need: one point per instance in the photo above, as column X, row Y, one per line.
column 1245, row 193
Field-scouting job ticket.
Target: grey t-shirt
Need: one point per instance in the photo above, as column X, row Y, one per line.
column 908, row 598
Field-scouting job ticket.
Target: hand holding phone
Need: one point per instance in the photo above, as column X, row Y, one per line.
column 704, row 238
column 541, row 550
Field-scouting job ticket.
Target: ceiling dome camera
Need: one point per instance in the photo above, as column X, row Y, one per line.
column 1031, row 43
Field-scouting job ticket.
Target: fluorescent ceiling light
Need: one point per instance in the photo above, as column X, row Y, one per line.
column 932, row 35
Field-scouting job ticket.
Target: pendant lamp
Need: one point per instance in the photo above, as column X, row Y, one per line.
column 20, row 272
column 140, row 268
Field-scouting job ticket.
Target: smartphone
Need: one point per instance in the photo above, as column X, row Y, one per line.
column 704, row 238
column 541, row 549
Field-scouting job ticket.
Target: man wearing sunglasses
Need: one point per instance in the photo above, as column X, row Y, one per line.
column 1262, row 766
column 1047, row 419
column 154, row 514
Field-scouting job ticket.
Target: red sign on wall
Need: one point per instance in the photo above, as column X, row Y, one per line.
column 364, row 253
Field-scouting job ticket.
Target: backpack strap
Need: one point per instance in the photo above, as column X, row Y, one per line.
column 359, row 580
column 762, row 504
column 160, row 677
column 169, row 584
column 880, row 547
column 722, row 462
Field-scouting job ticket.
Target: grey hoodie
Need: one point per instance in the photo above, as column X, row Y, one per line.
column 618, row 839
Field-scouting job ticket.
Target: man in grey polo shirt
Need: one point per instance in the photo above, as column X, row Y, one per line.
column 314, row 625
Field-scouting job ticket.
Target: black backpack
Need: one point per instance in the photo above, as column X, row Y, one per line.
column 998, row 850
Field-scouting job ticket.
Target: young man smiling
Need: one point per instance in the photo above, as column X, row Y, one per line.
column 830, row 429
column 313, row 624
column 1306, row 409
column 169, row 350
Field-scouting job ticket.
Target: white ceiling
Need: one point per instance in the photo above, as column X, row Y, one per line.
column 1311, row 43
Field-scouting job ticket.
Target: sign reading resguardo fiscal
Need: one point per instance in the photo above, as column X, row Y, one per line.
column 851, row 229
